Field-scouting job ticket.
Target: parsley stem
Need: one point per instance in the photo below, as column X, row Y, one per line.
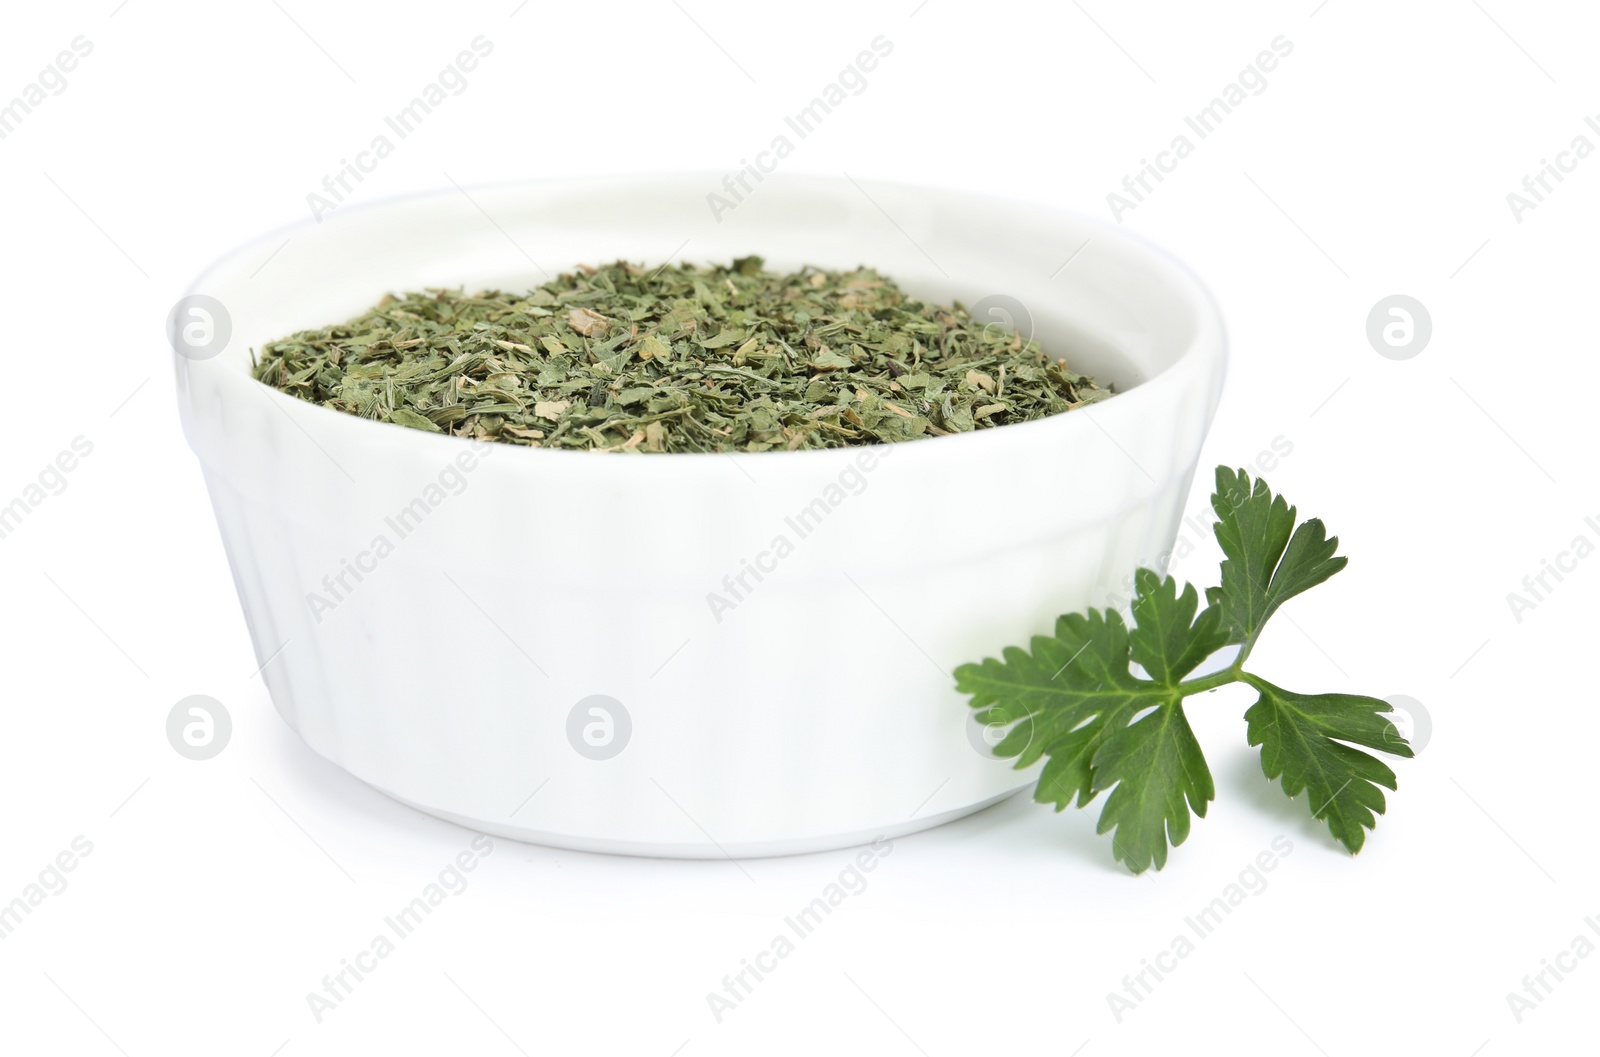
column 1230, row 674
column 1257, row 682
column 1245, row 648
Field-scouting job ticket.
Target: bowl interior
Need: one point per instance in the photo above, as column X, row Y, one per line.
column 1113, row 306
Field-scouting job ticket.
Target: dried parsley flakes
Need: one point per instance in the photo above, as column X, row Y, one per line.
column 679, row 359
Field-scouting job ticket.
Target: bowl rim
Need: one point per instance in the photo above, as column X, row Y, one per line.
column 1204, row 354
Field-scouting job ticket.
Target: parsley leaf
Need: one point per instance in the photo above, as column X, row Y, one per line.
column 1078, row 674
column 1297, row 735
column 1160, row 774
column 1075, row 699
column 1069, row 772
column 1071, row 698
column 1169, row 642
column 1265, row 565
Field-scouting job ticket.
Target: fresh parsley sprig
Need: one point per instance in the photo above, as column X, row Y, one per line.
column 1075, row 700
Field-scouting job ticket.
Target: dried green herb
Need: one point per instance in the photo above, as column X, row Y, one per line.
column 679, row 359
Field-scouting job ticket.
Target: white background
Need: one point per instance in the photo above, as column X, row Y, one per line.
column 1377, row 161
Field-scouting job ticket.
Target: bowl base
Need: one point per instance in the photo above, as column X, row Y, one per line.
column 708, row 849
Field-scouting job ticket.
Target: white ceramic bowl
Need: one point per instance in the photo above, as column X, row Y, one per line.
column 532, row 652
